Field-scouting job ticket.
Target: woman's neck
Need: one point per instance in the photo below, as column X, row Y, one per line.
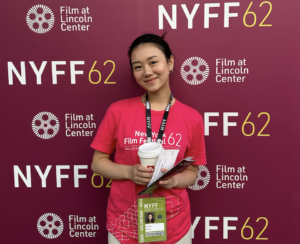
column 159, row 99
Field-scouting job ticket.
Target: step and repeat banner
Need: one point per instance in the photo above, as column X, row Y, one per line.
column 64, row 62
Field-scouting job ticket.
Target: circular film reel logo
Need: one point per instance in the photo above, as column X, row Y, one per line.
column 40, row 19
column 194, row 71
column 50, row 225
column 45, row 125
column 202, row 178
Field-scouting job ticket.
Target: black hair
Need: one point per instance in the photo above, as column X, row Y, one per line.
column 154, row 39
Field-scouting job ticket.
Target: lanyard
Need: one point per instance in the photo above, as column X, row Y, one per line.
column 163, row 122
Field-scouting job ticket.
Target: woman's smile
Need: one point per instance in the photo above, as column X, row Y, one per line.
column 149, row 81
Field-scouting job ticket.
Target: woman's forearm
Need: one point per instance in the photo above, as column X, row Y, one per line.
column 186, row 178
column 110, row 170
column 103, row 166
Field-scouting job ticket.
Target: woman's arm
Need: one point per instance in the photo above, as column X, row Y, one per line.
column 181, row 180
column 102, row 165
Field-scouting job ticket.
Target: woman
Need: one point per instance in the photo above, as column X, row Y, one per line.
column 123, row 130
column 150, row 218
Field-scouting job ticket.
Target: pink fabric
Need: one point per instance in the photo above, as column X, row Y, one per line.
column 122, row 130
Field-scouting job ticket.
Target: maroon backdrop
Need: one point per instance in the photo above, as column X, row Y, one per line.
column 48, row 64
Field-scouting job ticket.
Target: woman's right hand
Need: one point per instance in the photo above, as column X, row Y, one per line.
column 140, row 174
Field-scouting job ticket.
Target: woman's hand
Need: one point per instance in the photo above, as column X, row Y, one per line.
column 168, row 183
column 181, row 180
column 140, row 175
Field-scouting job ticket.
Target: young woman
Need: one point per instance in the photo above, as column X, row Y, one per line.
column 150, row 218
column 123, row 130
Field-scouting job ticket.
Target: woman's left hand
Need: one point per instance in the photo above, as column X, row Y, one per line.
column 168, row 183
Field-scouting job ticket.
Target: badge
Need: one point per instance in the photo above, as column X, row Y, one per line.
column 152, row 225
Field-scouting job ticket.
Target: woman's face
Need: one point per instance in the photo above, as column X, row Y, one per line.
column 150, row 67
column 150, row 216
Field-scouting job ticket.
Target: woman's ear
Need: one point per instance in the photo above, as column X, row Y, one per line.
column 171, row 63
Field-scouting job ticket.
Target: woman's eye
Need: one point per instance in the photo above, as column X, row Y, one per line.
column 153, row 62
column 137, row 67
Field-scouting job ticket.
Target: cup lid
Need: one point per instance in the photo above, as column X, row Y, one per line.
column 150, row 150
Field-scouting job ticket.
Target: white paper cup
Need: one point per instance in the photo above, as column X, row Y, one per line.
column 149, row 153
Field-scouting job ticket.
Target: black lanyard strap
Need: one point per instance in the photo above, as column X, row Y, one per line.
column 163, row 122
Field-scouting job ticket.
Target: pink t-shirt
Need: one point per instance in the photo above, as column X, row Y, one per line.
column 123, row 130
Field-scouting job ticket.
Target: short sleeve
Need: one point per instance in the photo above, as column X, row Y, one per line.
column 104, row 140
column 197, row 147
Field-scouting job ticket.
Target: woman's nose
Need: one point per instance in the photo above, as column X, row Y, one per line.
column 148, row 70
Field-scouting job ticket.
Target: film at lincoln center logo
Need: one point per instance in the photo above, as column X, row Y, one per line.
column 194, row 71
column 50, row 225
column 45, row 125
column 40, row 19
column 202, row 180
